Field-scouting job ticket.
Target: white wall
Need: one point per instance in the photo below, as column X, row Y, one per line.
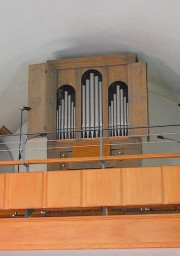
column 35, row 148
column 161, row 112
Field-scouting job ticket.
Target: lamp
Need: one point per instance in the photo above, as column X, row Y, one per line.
column 23, row 108
column 162, row 138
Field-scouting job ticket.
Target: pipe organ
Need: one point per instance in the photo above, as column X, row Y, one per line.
column 79, row 99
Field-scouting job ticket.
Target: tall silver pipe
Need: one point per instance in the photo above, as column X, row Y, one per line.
column 69, row 118
column 83, row 110
column 74, row 125
column 122, row 111
column 62, row 118
column 112, row 116
column 125, row 116
column 65, row 114
column 118, row 110
column 115, row 114
column 92, row 104
column 100, row 103
column 72, row 119
column 59, row 121
column 127, row 121
column 110, row 123
column 87, row 108
column 96, row 105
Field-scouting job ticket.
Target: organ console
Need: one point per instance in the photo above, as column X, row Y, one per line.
column 79, row 98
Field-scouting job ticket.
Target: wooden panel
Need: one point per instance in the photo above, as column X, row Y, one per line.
column 4, row 131
column 171, row 184
column 63, row 189
column 94, row 61
column 68, row 76
column 37, row 98
column 2, row 188
column 145, row 231
column 24, row 190
column 50, row 104
column 117, row 73
column 89, row 148
column 102, row 187
column 142, row 186
column 137, row 97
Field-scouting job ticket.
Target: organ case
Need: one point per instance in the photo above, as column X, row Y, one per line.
column 86, row 95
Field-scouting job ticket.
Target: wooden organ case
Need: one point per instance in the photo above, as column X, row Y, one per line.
column 79, row 97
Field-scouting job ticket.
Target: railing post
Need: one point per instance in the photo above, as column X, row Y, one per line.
column 23, row 152
column 101, row 148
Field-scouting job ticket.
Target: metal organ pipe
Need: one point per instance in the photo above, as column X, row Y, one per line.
column 100, row 104
column 87, row 109
column 122, row 111
column 66, row 117
column 62, row 118
column 118, row 113
column 118, row 110
column 96, row 105
column 91, row 106
column 83, row 111
column 92, row 103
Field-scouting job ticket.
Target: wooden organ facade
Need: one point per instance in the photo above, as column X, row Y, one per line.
column 82, row 97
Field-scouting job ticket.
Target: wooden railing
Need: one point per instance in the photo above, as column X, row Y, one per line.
column 92, row 159
column 128, row 187
column 144, row 186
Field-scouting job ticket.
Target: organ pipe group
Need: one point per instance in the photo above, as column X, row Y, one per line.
column 91, row 103
column 91, row 106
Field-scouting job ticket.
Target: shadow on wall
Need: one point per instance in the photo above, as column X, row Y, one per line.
column 162, row 80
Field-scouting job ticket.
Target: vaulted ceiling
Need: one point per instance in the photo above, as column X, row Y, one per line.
column 34, row 31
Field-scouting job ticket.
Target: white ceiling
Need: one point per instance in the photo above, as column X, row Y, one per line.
column 123, row 252
column 33, row 31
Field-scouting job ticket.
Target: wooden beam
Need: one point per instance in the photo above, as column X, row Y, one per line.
column 93, row 159
column 116, row 232
column 93, row 61
column 4, row 131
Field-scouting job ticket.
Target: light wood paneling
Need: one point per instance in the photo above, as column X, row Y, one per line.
column 50, row 100
column 102, row 187
column 2, row 188
column 117, row 73
column 138, row 115
column 171, row 184
column 94, row 61
column 89, row 148
column 67, row 76
column 63, row 189
column 24, row 190
column 37, row 98
column 142, row 186
column 145, row 231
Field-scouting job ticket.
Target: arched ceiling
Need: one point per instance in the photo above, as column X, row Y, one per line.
column 33, row 31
